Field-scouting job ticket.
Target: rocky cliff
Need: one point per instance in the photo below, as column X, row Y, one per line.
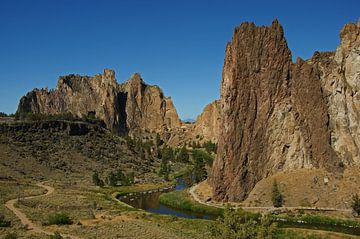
column 131, row 107
column 208, row 122
column 205, row 128
column 277, row 115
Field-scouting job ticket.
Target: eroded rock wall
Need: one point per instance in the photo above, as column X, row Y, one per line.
column 278, row 116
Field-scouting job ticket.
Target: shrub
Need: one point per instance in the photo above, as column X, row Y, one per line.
column 183, row 155
column 355, row 205
column 4, row 222
column 59, row 219
column 179, row 199
column 97, row 180
column 237, row 225
column 277, row 198
column 11, row 236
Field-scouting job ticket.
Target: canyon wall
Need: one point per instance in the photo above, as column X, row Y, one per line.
column 132, row 107
column 279, row 116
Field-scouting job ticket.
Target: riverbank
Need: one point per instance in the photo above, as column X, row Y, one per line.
column 180, row 199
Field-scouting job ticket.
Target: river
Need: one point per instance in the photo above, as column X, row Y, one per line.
column 149, row 200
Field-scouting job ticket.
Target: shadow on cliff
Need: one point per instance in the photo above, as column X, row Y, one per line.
column 121, row 108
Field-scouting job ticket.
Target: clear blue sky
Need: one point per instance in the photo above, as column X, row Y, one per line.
column 178, row 45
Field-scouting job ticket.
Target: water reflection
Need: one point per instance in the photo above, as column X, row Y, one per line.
column 149, row 200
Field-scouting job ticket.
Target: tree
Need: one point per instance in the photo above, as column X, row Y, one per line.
column 3, row 221
column 158, row 140
column 183, row 155
column 112, row 179
column 355, row 205
column 199, row 170
column 210, row 147
column 277, row 198
column 237, row 224
column 97, row 180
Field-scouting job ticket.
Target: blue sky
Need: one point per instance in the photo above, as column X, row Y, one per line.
column 178, row 45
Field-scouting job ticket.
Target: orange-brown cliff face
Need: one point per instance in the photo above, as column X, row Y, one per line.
column 208, row 122
column 278, row 116
column 132, row 107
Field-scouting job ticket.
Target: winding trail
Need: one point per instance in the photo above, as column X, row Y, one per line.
column 26, row 221
column 195, row 196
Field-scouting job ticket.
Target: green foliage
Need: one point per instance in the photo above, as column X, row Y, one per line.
column 200, row 159
column 59, row 219
column 183, row 155
column 11, row 236
column 355, row 205
column 210, row 147
column 97, row 180
column 31, row 116
column 317, row 220
column 180, row 199
column 236, row 224
column 118, row 178
column 158, row 140
column 276, row 197
column 166, row 155
column 4, row 222
column 2, row 114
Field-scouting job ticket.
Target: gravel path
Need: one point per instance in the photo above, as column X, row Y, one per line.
column 25, row 220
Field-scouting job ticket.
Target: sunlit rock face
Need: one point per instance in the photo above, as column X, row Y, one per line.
column 131, row 107
column 277, row 115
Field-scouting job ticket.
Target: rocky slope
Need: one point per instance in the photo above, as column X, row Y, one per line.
column 68, row 149
column 131, row 107
column 278, row 116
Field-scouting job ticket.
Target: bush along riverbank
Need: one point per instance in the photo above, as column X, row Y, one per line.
column 180, row 199
column 319, row 222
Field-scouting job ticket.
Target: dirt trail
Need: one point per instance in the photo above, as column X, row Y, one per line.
column 196, row 197
column 25, row 220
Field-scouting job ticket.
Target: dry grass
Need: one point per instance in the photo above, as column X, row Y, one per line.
column 309, row 188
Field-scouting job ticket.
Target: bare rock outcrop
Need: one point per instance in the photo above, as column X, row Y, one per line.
column 132, row 107
column 205, row 128
column 277, row 115
column 208, row 122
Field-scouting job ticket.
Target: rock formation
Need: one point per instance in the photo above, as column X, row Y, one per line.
column 205, row 128
column 207, row 123
column 278, row 116
column 131, row 107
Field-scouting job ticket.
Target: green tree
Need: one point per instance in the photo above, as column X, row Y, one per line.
column 199, row 159
column 183, row 155
column 96, row 179
column 112, row 179
column 210, row 147
column 237, row 224
column 277, row 197
column 355, row 205
column 3, row 221
column 158, row 140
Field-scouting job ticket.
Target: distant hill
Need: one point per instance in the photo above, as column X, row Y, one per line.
column 189, row 120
